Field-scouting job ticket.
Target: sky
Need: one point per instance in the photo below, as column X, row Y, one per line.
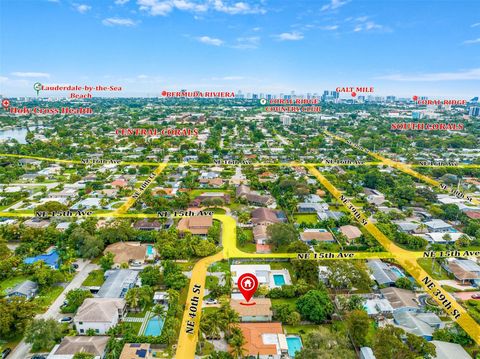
column 403, row 48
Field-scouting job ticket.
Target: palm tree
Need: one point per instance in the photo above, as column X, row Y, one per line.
column 237, row 341
column 133, row 298
column 159, row 311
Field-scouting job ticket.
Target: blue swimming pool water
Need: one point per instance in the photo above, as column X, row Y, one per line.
column 149, row 250
column 294, row 345
column 279, row 279
column 397, row 271
column 154, row 327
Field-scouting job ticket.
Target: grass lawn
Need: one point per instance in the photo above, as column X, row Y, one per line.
column 290, row 301
column 95, row 278
column 216, row 210
column 10, row 283
column 221, row 266
column 185, row 266
column 207, row 348
column 301, row 330
column 437, row 273
column 47, row 297
column 248, row 247
column 197, row 192
column 308, row 218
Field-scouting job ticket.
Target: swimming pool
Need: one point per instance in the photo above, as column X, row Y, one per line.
column 397, row 271
column 278, row 279
column 154, row 326
column 294, row 345
column 149, row 250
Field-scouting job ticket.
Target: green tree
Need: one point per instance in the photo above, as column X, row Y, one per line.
column 404, row 282
column 15, row 313
column 173, row 276
column 106, row 262
column 237, row 342
column 280, row 234
column 83, row 356
column 75, row 299
column 315, row 306
column 220, row 355
column 43, row 334
column 358, row 324
column 151, row 276
column 325, row 345
column 388, row 344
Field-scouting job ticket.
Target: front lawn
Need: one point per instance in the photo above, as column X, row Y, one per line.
column 435, row 270
column 10, row 283
column 46, row 297
column 307, row 218
column 95, row 279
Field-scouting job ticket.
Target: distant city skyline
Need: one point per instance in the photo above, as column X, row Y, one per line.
column 401, row 48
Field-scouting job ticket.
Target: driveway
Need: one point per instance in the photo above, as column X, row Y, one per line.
column 85, row 267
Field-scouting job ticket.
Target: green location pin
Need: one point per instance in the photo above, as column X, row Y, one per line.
column 37, row 86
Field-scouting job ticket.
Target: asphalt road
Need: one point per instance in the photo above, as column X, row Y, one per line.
column 85, row 267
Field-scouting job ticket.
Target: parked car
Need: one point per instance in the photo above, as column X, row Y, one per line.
column 210, row 301
column 5, row 352
column 75, row 265
column 37, row 356
column 476, row 296
column 65, row 320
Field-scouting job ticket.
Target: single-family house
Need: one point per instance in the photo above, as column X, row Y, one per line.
column 438, row 225
column 446, row 350
column 126, row 252
column 99, row 314
column 260, row 312
column 264, row 340
column 383, row 273
column 401, row 300
column 316, row 235
column 420, row 324
column 117, row 283
column 351, row 232
column 71, row 345
column 26, row 289
column 136, row 351
column 198, row 225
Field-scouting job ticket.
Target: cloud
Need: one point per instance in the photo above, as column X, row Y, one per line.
column 210, row 40
column 142, row 77
column 82, row 8
column 251, row 42
column 473, row 74
column 121, row 2
column 363, row 23
column 30, row 74
column 475, row 25
column 237, row 8
column 334, row 4
column 329, row 27
column 116, row 21
column 475, row 41
column 164, row 7
column 289, row 36
column 55, row 1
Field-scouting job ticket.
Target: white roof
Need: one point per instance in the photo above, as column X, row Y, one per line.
column 437, row 223
column 447, row 350
column 438, row 237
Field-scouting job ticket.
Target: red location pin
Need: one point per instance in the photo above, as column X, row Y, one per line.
column 415, row 98
column 354, row 94
column 247, row 284
column 5, row 103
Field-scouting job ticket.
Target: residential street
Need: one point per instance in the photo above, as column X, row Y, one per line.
column 85, row 267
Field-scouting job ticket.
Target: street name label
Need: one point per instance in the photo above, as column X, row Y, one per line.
column 62, row 213
column 99, row 161
column 144, row 186
column 165, row 214
column 326, row 255
column 344, row 162
column 456, row 192
column 432, row 254
column 232, row 162
column 439, row 163
column 355, row 212
column 441, row 298
column 192, row 310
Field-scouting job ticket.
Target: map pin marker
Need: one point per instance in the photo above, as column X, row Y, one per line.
column 247, row 284
column 37, row 86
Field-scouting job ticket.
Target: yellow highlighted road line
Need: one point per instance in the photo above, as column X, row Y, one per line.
column 407, row 261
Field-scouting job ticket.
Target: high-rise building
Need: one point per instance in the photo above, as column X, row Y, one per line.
column 391, row 98
column 474, row 111
column 286, row 119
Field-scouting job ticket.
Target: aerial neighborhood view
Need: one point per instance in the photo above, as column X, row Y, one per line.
column 323, row 203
